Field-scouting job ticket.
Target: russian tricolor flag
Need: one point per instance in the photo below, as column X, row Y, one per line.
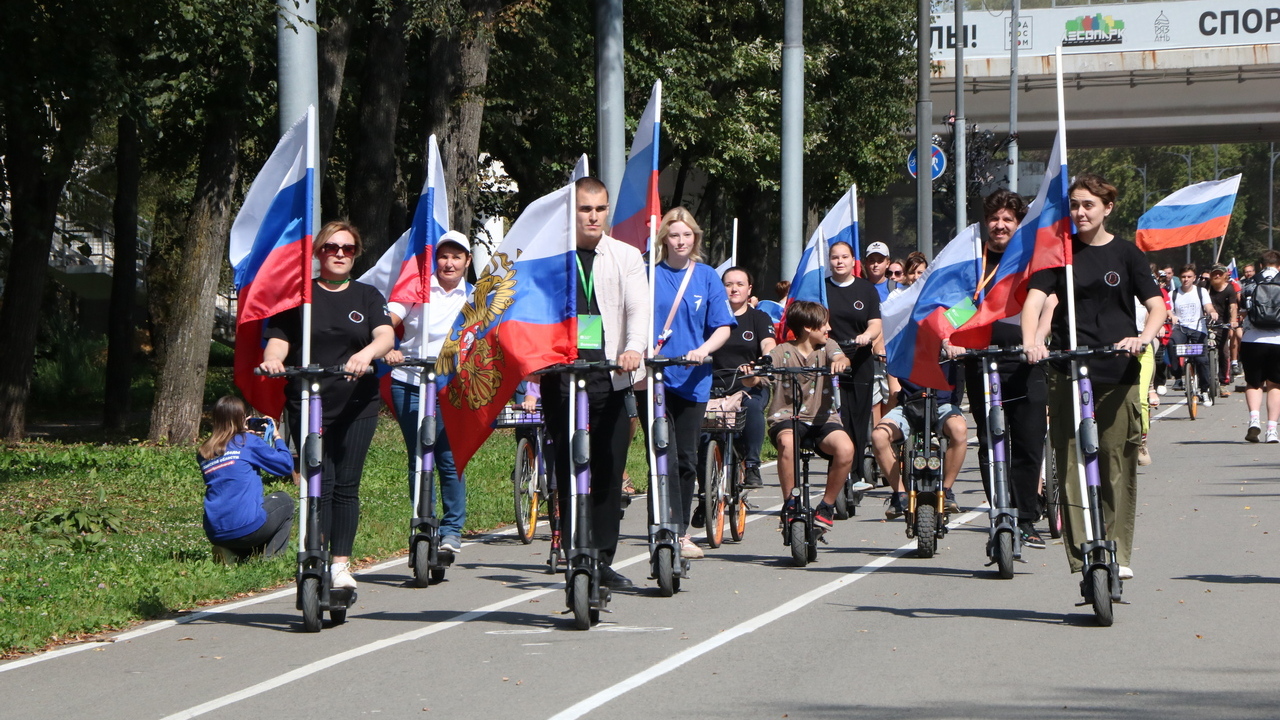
column 917, row 320
column 521, row 318
column 1194, row 213
column 809, row 282
column 403, row 273
column 638, row 200
column 1043, row 240
column 270, row 253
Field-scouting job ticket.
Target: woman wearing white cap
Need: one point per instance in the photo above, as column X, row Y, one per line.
column 449, row 291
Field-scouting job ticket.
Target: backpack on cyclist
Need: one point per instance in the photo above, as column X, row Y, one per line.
column 1262, row 301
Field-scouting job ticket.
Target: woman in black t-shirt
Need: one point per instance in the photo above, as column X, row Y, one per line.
column 350, row 326
column 751, row 338
column 1109, row 273
column 854, row 306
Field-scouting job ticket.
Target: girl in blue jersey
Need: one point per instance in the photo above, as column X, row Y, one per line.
column 237, row 516
column 698, row 327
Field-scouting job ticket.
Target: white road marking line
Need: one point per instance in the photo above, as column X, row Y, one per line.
column 751, row 625
column 328, row 662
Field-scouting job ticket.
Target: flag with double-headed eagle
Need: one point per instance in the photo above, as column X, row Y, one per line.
column 520, row 318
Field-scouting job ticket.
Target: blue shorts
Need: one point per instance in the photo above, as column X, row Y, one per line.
column 898, row 417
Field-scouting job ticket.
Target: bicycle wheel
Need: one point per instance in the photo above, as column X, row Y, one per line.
column 799, row 543
column 1215, row 376
column 1193, row 391
column 310, row 591
column 926, row 530
column 1004, row 554
column 714, row 493
column 421, row 563
column 664, row 571
column 1052, row 491
column 1100, row 590
column 524, row 481
column 580, row 600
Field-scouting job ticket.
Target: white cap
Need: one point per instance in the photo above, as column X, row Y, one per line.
column 877, row 248
column 455, row 237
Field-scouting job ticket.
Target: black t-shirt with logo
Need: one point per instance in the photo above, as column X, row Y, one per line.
column 742, row 347
column 342, row 324
column 1107, row 279
column 853, row 307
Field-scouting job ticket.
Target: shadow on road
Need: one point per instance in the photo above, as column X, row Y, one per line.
column 1075, row 619
column 1232, row 579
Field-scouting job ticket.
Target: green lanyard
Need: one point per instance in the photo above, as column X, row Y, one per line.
column 588, row 283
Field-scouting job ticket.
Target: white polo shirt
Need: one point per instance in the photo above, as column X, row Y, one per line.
column 444, row 309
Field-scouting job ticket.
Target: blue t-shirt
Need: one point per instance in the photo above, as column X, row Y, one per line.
column 233, row 487
column 703, row 309
column 883, row 288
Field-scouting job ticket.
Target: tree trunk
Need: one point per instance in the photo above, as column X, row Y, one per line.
column 35, row 186
column 335, row 46
column 124, row 278
column 371, row 183
column 456, row 105
column 175, row 415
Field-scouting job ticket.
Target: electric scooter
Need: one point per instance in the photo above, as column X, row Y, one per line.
column 315, row 593
column 926, row 511
column 1100, row 585
column 426, row 558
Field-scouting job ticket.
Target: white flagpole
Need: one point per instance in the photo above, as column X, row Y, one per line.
column 573, row 380
column 733, row 253
column 304, row 419
column 853, row 216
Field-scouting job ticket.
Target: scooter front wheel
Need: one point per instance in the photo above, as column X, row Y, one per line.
column 664, row 571
column 421, row 563
column 1004, row 554
column 842, row 509
column 580, row 600
column 799, row 543
column 310, row 594
column 1100, row 589
column 926, row 530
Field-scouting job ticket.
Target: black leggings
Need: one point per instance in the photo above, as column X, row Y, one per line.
column 272, row 536
column 855, row 413
column 345, row 446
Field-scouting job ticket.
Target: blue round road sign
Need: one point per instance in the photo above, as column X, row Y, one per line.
column 939, row 162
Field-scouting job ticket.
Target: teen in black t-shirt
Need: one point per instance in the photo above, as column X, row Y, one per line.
column 750, row 339
column 1109, row 274
column 350, row 326
column 854, row 307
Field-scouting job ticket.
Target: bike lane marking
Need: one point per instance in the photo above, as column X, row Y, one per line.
column 662, row 668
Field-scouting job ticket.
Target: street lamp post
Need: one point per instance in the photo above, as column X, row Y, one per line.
column 1271, row 198
column 1143, row 172
column 1185, row 156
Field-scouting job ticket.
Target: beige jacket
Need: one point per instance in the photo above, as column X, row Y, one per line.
column 622, row 291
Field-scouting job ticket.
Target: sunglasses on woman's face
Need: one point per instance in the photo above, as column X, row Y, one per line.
column 331, row 248
column 896, row 273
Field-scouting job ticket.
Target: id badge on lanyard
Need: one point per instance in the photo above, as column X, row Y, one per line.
column 590, row 327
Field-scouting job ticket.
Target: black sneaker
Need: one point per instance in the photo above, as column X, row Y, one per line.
column 894, row 510
column 951, row 505
column 751, row 479
column 614, row 580
column 824, row 517
column 699, row 517
column 1030, row 537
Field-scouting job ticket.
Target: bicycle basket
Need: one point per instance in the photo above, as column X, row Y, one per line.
column 732, row 420
column 1189, row 349
column 512, row 416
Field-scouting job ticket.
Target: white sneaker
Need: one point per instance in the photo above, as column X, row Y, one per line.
column 1161, row 389
column 1254, row 432
column 340, row 576
column 689, row 549
column 1205, row 400
column 1126, row 573
column 1272, row 437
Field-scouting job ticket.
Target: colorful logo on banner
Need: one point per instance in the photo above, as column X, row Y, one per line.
column 1093, row 30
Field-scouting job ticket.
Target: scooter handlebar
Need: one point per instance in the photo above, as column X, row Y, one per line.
column 309, row 371
column 1081, row 353
column 415, row 362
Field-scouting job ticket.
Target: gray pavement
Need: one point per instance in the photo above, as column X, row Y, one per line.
column 867, row 631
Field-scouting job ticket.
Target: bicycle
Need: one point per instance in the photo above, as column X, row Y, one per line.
column 798, row 530
column 315, row 592
column 723, row 497
column 585, row 595
column 1100, row 585
column 1190, row 375
column 529, row 477
column 1051, row 495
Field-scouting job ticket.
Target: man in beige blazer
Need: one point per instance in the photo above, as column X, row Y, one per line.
column 613, row 298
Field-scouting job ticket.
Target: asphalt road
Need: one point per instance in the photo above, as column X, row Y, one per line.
column 867, row 631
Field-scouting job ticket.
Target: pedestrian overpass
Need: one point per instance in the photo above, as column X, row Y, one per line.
column 1169, row 72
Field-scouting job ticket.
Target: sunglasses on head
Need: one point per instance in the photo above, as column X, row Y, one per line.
column 332, row 248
